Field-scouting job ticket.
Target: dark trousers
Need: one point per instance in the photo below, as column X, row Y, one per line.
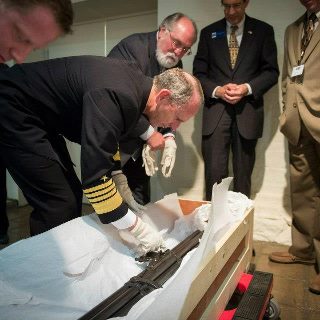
column 216, row 149
column 4, row 223
column 54, row 192
column 138, row 181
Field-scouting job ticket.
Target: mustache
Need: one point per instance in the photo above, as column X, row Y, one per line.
column 172, row 55
column 168, row 59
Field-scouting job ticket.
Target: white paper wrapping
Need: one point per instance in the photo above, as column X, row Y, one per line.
column 65, row 272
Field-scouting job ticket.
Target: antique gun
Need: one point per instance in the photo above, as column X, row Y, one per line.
column 161, row 267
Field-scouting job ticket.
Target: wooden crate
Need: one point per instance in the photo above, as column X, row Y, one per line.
column 220, row 271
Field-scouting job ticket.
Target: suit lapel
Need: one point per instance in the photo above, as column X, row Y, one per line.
column 314, row 41
column 220, row 41
column 297, row 36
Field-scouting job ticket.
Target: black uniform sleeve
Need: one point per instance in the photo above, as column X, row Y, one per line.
column 104, row 120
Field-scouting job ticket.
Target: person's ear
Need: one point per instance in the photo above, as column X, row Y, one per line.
column 162, row 94
column 161, row 30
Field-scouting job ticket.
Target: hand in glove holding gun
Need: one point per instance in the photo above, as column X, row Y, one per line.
column 148, row 238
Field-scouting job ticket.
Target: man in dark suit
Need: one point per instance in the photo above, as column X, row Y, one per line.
column 233, row 112
column 155, row 52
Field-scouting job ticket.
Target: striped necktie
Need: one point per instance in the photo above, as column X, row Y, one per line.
column 233, row 46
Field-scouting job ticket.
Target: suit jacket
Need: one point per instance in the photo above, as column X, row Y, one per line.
column 140, row 48
column 256, row 64
column 300, row 98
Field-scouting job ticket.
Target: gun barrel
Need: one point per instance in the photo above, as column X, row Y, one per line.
column 153, row 277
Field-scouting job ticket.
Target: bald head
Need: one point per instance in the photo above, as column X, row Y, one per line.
column 184, row 23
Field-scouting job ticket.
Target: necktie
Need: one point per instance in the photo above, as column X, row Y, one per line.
column 233, row 46
column 308, row 31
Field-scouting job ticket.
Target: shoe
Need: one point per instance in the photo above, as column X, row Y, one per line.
column 4, row 239
column 315, row 285
column 286, row 257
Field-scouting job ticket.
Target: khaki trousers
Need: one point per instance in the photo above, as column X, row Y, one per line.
column 305, row 196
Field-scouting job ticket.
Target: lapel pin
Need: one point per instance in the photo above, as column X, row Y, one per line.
column 250, row 32
column 218, row 34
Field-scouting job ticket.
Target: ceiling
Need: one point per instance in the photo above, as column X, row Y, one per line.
column 88, row 10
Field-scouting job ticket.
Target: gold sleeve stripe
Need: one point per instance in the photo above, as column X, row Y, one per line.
column 104, row 197
column 99, row 187
column 108, row 205
column 101, row 192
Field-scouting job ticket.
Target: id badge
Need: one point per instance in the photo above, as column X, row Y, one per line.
column 297, row 71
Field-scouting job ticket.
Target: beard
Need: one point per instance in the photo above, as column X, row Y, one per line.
column 167, row 60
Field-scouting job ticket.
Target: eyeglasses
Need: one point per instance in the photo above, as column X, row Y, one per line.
column 235, row 6
column 176, row 45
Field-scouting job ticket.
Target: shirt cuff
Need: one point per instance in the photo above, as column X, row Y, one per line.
column 169, row 134
column 249, row 89
column 214, row 92
column 145, row 136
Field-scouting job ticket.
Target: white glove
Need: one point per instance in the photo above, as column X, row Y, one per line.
column 148, row 238
column 168, row 157
column 121, row 183
column 149, row 160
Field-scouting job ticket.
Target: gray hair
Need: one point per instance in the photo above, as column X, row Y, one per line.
column 182, row 89
column 172, row 19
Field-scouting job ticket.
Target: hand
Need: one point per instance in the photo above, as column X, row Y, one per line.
column 121, row 183
column 148, row 238
column 149, row 160
column 232, row 93
column 168, row 157
column 156, row 141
